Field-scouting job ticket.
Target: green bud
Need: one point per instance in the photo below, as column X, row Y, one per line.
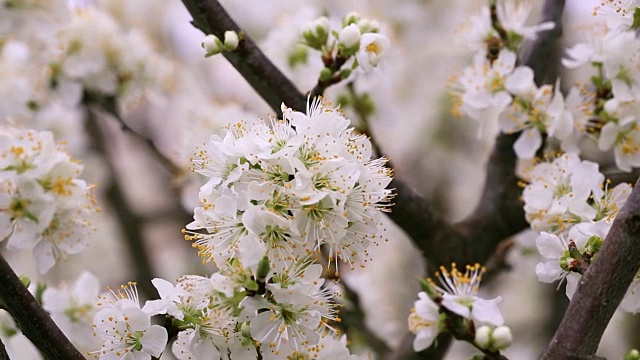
column 251, row 285
column 594, row 244
column 298, row 56
column 326, row 74
column 25, row 280
column 564, row 264
column 263, row 269
column 345, row 73
column 575, row 253
column 632, row 355
column 245, row 329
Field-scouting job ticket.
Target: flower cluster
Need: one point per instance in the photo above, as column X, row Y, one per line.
column 454, row 306
column 358, row 44
column 278, row 193
column 284, row 188
column 239, row 311
column 43, row 204
column 568, row 191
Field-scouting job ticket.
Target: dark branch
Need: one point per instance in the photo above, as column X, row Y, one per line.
column 265, row 78
column 108, row 104
column 34, row 322
column 601, row 288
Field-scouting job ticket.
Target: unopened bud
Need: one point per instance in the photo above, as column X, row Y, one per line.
column 502, row 337
column 231, row 40
column 483, row 337
column 212, row 45
column 351, row 18
column 245, row 329
column 316, row 33
column 611, row 106
column 24, row 279
column 632, row 355
column 263, row 269
column 349, row 40
column 326, row 74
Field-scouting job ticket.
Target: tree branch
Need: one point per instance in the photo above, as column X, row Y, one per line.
column 34, row 322
column 265, row 78
column 601, row 288
column 129, row 221
column 108, row 105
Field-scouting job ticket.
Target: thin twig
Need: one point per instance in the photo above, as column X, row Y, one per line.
column 265, row 78
column 108, row 105
column 33, row 320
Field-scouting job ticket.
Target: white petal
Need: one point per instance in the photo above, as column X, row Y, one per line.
column 572, row 283
column 550, row 246
column 549, row 271
column 487, row 312
column 154, row 340
column 528, row 143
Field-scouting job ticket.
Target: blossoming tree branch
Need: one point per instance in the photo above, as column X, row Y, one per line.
column 108, row 135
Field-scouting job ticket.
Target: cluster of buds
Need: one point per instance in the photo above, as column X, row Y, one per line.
column 357, row 43
column 213, row 45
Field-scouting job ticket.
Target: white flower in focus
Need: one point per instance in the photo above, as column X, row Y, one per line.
column 170, row 297
column 558, row 193
column 285, row 187
column 459, row 295
column 424, row 322
column 534, row 111
column 566, row 258
column 126, row 330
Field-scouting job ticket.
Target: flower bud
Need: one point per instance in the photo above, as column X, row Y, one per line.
column 483, row 337
column 349, row 40
column 212, row 45
column 502, row 337
column 231, row 40
column 325, row 74
column 611, row 106
column 24, row 279
column 368, row 26
column 632, row 355
column 316, row 33
column 263, row 269
column 351, row 18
